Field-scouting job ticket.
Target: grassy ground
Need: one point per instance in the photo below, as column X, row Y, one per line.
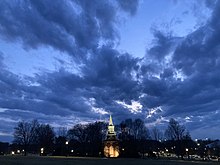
column 21, row 160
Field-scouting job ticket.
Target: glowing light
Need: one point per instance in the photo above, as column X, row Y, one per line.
column 42, row 150
column 187, row 149
column 67, row 143
column 12, row 152
column 72, row 151
column 18, row 151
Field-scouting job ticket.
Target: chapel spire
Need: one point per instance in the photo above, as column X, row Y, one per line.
column 111, row 143
column 110, row 120
column 111, row 129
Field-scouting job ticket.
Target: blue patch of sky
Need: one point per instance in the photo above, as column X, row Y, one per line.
column 28, row 62
column 180, row 18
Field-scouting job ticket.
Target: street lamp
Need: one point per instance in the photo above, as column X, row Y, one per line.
column 42, row 151
column 187, row 152
column 67, row 148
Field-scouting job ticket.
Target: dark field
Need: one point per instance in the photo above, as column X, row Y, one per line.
column 20, row 160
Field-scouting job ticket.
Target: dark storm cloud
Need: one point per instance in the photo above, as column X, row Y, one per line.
column 129, row 6
column 1, row 58
column 162, row 44
column 188, row 85
column 210, row 4
column 200, row 50
column 75, row 27
column 70, row 26
column 105, row 78
column 178, row 74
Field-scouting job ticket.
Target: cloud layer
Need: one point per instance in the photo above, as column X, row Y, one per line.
column 178, row 76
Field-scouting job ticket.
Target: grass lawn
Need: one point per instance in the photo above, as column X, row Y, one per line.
column 21, row 160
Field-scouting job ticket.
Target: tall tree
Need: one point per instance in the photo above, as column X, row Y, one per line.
column 156, row 134
column 45, row 137
column 133, row 130
column 89, row 137
column 62, row 132
column 96, row 131
column 25, row 133
column 78, row 132
column 175, row 131
column 140, row 130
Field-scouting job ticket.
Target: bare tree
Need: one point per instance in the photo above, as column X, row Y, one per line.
column 25, row 133
column 175, row 131
column 78, row 132
column 45, row 137
column 134, row 130
column 88, row 137
column 62, row 132
column 156, row 134
column 140, row 130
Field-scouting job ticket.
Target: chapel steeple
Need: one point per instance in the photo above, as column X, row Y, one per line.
column 111, row 143
column 111, row 128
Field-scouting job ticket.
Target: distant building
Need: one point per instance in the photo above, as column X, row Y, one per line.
column 111, row 144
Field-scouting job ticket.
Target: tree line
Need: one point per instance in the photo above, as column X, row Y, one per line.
column 134, row 137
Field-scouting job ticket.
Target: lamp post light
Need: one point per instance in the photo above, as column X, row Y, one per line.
column 187, row 152
column 41, row 151
column 67, row 148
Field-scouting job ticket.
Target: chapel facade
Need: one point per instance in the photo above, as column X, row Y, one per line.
column 111, row 144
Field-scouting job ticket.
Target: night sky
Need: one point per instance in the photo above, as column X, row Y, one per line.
column 65, row 62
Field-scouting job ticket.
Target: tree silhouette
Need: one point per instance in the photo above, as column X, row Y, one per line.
column 88, row 137
column 177, row 133
column 25, row 133
column 156, row 134
column 45, row 138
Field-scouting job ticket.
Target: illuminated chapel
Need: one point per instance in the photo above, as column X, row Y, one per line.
column 111, row 144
